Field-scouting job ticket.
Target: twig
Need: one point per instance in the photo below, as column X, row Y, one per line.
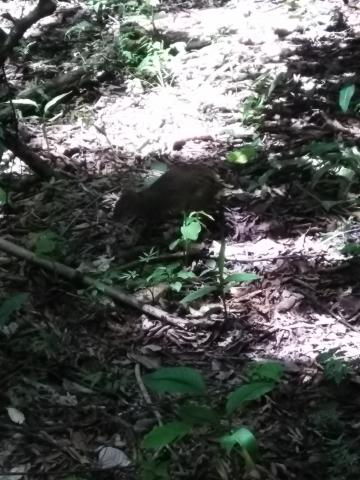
column 13, row 142
column 75, row 275
column 149, row 402
column 146, row 395
column 43, row 9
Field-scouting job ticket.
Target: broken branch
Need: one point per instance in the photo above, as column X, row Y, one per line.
column 75, row 275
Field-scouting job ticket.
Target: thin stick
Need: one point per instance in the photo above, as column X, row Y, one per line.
column 75, row 275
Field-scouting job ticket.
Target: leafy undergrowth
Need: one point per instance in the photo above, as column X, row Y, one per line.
column 78, row 399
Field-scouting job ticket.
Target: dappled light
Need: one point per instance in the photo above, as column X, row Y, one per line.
column 180, row 239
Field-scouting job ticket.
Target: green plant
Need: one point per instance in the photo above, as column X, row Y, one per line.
column 173, row 274
column 103, row 8
column 28, row 103
column 79, row 29
column 338, row 161
column 252, row 108
column 264, row 85
column 190, row 230
column 344, row 462
column 345, row 95
column 11, row 305
column 335, row 368
column 48, row 341
column 144, row 57
column 245, row 154
column 351, row 249
column 47, row 108
column 326, row 419
column 146, row 275
column 110, row 382
column 195, row 417
column 220, row 283
column 47, row 244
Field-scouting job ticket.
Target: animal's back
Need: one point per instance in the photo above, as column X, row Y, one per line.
column 181, row 188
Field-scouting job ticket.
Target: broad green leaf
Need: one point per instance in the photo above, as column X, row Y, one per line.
column 243, row 437
column 198, row 415
column 11, row 305
column 351, row 249
column 159, row 167
column 164, row 435
column 174, row 244
column 265, row 371
column 242, row 155
column 54, row 101
column 176, row 380
column 241, row 277
column 191, row 230
column 24, row 101
column 46, row 242
column 345, row 96
column 184, row 274
column 246, row 393
column 247, row 442
column 320, row 148
column 4, row 196
column 347, row 173
column 202, row 292
column 176, row 286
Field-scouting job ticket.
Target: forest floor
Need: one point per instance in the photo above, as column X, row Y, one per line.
column 262, row 74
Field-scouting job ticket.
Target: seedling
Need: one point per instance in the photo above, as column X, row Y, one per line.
column 195, row 416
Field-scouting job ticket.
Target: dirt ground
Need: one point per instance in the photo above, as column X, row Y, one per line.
column 70, row 360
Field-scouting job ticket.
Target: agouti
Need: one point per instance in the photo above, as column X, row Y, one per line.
column 180, row 189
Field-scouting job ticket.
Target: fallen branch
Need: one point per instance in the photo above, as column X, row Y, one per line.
column 44, row 8
column 75, row 275
column 13, row 142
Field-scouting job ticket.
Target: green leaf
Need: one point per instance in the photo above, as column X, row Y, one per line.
column 24, row 101
column 185, row 274
column 190, row 231
column 241, row 277
column 265, row 371
column 46, row 242
column 320, row 148
column 162, row 436
column 345, row 96
column 243, row 155
column 202, row 292
column 11, row 305
column 55, row 101
column 176, row 380
column 154, row 469
column 351, row 249
column 329, row 204
column 198, row 415
column 174, row 244
column 4, row 196
column 243, row 437
column 246, row 393
column 176, row 286
column 247, row 441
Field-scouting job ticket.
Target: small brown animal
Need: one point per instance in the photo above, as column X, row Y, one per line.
column 180, row 189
